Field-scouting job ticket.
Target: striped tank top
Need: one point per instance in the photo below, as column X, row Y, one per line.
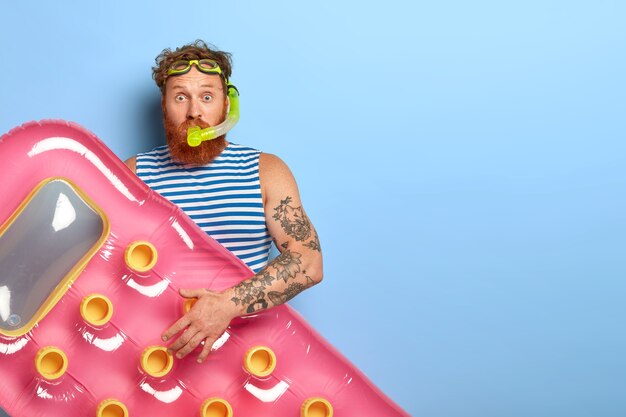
column 223, row 197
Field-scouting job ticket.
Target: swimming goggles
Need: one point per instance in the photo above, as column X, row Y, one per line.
column 207, row 66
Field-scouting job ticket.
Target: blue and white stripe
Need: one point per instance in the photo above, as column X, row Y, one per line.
column 223, row 197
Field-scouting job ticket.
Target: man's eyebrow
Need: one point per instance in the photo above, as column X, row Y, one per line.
column 179, row 86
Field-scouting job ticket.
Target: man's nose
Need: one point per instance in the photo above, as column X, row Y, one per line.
column 193, row 111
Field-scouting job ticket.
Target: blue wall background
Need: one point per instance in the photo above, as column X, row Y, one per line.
column 462, row 161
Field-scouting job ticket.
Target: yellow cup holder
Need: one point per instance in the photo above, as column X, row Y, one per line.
column 51, row 362
column 140, row 256
column 156, row 361
column 259, row 361
column 188, row 304
column 216, row 407
column 96, row 309
column 112, row 408
column 316, row 407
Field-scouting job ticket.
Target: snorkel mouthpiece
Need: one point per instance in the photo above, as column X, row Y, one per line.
column 196, row 135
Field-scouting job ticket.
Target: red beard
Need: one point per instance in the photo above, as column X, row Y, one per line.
column 181, row 152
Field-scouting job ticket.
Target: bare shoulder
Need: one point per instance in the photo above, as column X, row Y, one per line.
column 131, row 163
column 274, row 175
column 271, row 163
column 272, row 168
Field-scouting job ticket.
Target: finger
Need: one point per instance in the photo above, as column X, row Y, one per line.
column 180, row 324
column 208, row 345
column 191, row 293
column 190, row 345
column 182, row 340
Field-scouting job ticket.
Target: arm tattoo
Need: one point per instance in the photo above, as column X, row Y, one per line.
column 287, row 265
column 309, row 281
column 253, row 292
column 314, row 244
column 293, row 220
column 296, row 224
column 292, row 290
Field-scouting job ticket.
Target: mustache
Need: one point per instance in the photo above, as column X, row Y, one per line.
column 184, row 126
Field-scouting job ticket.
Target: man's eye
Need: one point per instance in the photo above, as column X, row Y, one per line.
column 180, row 98
column 207, row 97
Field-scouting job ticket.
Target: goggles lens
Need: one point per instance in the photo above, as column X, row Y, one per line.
column 204, row 65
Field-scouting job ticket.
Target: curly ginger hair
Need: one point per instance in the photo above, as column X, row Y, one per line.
column 196, row 50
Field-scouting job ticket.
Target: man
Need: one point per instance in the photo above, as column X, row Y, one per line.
column 238, row 195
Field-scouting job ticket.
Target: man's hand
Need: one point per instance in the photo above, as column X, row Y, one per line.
column 205, row 322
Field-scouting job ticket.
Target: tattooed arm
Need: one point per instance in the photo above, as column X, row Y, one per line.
column 298, row 267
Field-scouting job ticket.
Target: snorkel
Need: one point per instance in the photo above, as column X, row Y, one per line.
column 196, row 135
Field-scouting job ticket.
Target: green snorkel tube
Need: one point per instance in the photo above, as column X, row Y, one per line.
column 196, row 135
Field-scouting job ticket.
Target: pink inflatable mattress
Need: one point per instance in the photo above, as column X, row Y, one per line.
column 91, row 261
